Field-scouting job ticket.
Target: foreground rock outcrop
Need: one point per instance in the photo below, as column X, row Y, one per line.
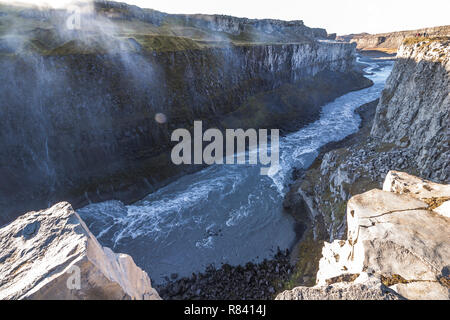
column 397, row 246
column 52, row 255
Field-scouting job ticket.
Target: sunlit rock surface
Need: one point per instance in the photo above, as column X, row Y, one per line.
column 364, row 289
column 397, row 243
column 51, row 254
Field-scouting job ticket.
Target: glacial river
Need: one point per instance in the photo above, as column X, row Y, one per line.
column 224, row 213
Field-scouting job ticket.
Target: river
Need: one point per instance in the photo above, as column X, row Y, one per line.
column 224, row 213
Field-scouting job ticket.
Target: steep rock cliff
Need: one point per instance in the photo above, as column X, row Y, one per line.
column 52, row 255
column 243, row 28
column 397, row 246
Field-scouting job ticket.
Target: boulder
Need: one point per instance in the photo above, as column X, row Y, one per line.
column 52, row 255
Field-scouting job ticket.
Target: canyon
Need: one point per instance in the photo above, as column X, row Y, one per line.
column 359, row 206
column 406, row 130
column 409, row 131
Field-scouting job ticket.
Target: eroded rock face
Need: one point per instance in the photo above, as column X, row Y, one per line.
column 399, row 236
column 52, row 255
column 434, row 194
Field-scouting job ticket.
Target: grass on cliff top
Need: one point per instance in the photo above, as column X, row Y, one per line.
column 149, row 43
column 166, row 43
column 389, row 51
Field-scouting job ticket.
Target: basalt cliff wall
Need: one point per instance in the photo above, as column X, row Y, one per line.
column 414, row 108
column 244, row 28
column 78, row 109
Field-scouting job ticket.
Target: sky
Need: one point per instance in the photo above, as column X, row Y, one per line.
column 339, row 16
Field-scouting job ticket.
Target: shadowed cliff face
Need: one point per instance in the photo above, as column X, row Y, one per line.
column 415, row 106
column 78, row 108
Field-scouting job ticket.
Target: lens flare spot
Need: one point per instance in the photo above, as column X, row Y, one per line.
column 160, row 118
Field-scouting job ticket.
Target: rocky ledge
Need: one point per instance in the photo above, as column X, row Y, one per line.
column 397, row 246
column 52, row 255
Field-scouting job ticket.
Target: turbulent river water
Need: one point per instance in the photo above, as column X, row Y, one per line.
column 224, row 213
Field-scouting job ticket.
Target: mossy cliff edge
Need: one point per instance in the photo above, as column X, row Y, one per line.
column 78, row 108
